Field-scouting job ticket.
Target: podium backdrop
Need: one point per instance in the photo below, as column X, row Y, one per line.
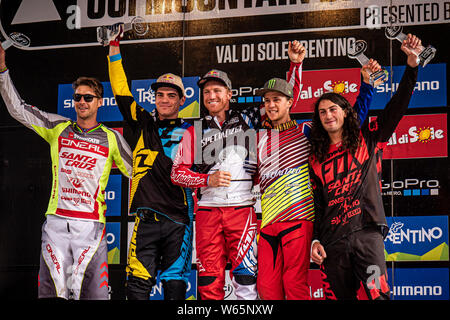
column 248, row 39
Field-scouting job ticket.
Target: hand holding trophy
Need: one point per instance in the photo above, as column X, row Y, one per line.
column 16, row 39
column 424, row 55
column 356, row 51
column 106, row 34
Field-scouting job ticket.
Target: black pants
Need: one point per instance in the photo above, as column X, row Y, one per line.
column 158, row 243
column 355, row 267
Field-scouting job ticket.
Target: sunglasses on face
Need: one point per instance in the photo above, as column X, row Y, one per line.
column 87, row 97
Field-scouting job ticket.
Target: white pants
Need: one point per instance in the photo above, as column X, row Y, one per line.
column 73, row 259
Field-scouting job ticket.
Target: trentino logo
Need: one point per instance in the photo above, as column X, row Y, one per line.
column 417, row 238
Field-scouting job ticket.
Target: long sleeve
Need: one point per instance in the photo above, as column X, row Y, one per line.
column 123, row 156
column 182, row 174
column 43, row 123
column 363, row 101
column 131, row 111
column 294, row 77
column 396, row 107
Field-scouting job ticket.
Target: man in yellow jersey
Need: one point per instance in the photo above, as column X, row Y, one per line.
column 73, row 262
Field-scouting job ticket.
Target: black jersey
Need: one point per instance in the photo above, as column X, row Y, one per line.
column 347, row 188
column 154, row 143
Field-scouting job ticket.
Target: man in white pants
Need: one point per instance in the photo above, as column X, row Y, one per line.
column 73, row 261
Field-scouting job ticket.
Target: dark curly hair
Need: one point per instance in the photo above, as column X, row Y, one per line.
column 320, row 140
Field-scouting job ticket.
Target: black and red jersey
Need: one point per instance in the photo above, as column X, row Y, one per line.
column 347, row 188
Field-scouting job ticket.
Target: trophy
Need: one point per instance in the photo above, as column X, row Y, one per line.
column 424, row 55
column 356, row 51
column 16, row 39
column 107, row 33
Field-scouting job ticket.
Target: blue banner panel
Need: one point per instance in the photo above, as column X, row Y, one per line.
column 141, row 92
column 113, row 241
column 108, row 112
column 113, row 195
column 157, row 292
column 430, row 89
column 419, row 284
column 417, row 238
column 145, row 96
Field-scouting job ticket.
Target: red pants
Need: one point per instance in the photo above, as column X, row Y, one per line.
column 226, row 234
column 283, row 260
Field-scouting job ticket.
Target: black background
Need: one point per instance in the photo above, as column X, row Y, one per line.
column 25, row 175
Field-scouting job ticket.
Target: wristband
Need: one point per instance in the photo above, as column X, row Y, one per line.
column 114, row 43
column 3, row 70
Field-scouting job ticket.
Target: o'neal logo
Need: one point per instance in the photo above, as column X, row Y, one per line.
column 410, row 187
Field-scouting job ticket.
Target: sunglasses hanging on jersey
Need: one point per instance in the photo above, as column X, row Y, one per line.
column 87, row 97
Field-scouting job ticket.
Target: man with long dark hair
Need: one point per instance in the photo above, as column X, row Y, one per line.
column 346, row 169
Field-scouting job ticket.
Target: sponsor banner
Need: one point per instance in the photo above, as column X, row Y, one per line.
column 411, row 187
column 113, row 195
column 405, row 284
column 417, row 238
column 316, row 82
column 145, row 96
column 157, row 292
column 142, row 93
column 315, row 284
column 107, row 112
column 113, row 241
column 205, row 18
column 415, row 186
column 418, row 136
column 430, row 89
column 419, row 283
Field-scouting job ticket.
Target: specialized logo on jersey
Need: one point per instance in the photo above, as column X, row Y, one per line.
column 288, row 198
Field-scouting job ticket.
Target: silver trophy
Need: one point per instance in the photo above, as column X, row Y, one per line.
column 16, row 39
column 356, row 51
column 424, row 55
column 107, row 33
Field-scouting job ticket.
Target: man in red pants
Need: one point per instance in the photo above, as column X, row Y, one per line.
column 286, row 194
column 217, row 155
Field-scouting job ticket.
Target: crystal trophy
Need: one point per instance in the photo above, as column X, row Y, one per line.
column 16, row 39
column 424, row 55
column 107, row 33
column 356, row 51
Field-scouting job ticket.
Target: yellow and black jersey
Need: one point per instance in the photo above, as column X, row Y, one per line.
column 154, row 144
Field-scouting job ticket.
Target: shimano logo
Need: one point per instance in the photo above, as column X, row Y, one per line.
column 417, row 290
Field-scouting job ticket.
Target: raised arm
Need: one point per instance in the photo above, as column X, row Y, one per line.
column 43, row 123
column 296, row 54
column 398, row 104
column 131, row 111
column 366, row 91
